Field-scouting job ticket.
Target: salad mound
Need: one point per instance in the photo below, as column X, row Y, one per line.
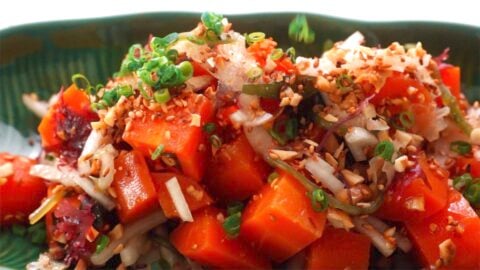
column 216, row 149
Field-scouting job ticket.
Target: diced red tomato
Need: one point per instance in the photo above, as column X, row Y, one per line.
column 404, row 197
column 185, row 140
column 280, row 220
column 194, row 193
column 20, row 193
column 198, row 69
column 205, row 241
column 133, row 186
column 236, row 172
column 396, row 86
column 451, row 78
column 458, row 223
column 475, row 167
column 339, row 249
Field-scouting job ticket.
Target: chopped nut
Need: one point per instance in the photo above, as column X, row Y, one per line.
column 196, row 194
column 118, row 249
column 339, row 219
column 282, row 154
column 351, row 177
column 331, row 160
column 415, row 203
column 330, row 118
column 401, row 163
column 116, row 232
column 168, row 135
column 6, row 169
column 475, row 136
column 196, row 120
column 447, row 251
column 296, row 100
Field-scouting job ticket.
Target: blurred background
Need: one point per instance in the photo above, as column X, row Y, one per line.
column 460, row 11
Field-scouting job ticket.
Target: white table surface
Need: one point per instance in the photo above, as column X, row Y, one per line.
column 16, row 12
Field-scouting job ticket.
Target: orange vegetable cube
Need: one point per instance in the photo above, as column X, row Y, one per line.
column 205, row 241
column 280, row 220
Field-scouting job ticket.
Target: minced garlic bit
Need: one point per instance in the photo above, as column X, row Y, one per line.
column 6, row 170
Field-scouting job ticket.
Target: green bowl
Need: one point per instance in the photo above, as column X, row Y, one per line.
column 42, row 57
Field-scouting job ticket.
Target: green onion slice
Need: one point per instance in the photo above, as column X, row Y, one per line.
column 319, row 200
column 209, row 127
column 276, row 54
column 461, row 147
column 231, row 225
column 385, row 150
column 102, row 243
column 344, row 82
column 407, row 119
column 472, row 194
column 158, row 151
column 162, row 96
column 255, row 37
column 462, row 181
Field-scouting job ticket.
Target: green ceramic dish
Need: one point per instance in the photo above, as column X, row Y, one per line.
column 42, row 57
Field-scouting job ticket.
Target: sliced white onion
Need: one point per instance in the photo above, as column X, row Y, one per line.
column 92, row 144
column 70, row 177
column 131, row 230
column 378, row 240
column 199, row 82
column 402, row 242
column 178, row 199
column 377, row 124
column 133, row 249
column 324, row 173
column 357, row 139
column 259, row 120
column 239, row 117
column 353, row 41
column 38, row 107
column 259, row 139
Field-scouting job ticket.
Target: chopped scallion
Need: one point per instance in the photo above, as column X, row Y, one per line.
column 462, row 181
column 291, row 128
column 385, row 150
column 255, row 37
column 231, row 225
column 213, row 22
column 299, row 31
column 319, row 200
column 461, row 147
column 81, row 82
column 276, row 54
column 472, row 194
column 162, row 96
column 102, row 243
column 291, row 52
column 209, row 127
column 344, row 82
column 254, row 73
column 158, row 151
